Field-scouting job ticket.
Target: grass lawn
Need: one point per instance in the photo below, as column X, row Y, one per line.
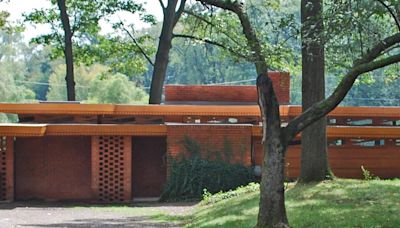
column 338, row 203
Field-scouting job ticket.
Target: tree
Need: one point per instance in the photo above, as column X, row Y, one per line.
column 85, row 76
column 171, row 17
column 272, row 212
column 314, row 158
column 115, row 89
column 12, row 71
column 68, row 53
column 79, row 20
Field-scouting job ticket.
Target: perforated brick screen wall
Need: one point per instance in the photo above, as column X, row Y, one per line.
column 3, row 163
column 111, row 168
column 6, row 168
column 248, row 94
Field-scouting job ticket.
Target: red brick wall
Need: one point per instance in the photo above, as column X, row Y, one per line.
column 212, row 139
column 52, row 168
column 180, row 93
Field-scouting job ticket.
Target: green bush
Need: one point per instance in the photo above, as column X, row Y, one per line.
column 189, row 176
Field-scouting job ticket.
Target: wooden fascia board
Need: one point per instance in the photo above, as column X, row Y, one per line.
column 359, row 112
column 74, row 109
column 107, row 129
column 187, row 110
column 27, row 130
column 81, row 130
column 350, row 132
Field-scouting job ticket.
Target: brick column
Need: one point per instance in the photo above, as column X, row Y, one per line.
column 6, row 168
column 111, row 168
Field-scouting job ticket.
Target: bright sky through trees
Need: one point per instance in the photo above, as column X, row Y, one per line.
column 18, row 7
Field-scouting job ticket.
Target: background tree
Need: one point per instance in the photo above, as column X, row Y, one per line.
column 68, row 52
column 115, row 88
column 170, row 19
column 314, row 157
column 12, row 71
column 84, row 17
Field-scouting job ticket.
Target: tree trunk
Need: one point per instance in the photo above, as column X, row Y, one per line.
column 162, row 55
column 272, row 212
column 69, row 58
column 314, row 159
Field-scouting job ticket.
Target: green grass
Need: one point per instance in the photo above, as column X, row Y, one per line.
column 337, row 203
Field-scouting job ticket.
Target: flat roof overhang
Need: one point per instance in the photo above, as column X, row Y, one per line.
column 39, row 130
column 185, row 110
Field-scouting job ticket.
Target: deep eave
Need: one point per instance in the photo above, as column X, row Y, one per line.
column 182, row 110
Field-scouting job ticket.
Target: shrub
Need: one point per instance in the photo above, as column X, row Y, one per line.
column 188, row 177
column 368, row 175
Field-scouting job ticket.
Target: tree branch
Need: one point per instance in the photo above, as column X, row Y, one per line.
column 137, row 44
column 396, row 20
column 226, row 5
column 252, row 40
column 179, row 12
column 211, row 24
column 378, row 49
column 212, row 43
column 322, row 108
column 162, row 4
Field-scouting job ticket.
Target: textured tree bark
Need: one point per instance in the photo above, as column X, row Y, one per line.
column 171, row 17
column 272, row 212
column 69, row 58
column 314, row 156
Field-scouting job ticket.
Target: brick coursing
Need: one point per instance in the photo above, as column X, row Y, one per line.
column 182, row 93
column 212, row 140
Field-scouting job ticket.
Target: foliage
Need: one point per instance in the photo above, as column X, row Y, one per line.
column 95, row 84
column 189, row 176
column 119, row 54
column 12, row 72
column 362, row 23
column 3, row 18
column 84, row 76
column 85, row 17
column 115, row 89
column 338, row 203
column 275, row 22
column 209, row 198
column 368, row 175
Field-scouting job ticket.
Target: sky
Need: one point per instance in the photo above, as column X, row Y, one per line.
column 17, row 7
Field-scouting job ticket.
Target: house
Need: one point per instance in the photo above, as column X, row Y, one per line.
column 116, row 153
